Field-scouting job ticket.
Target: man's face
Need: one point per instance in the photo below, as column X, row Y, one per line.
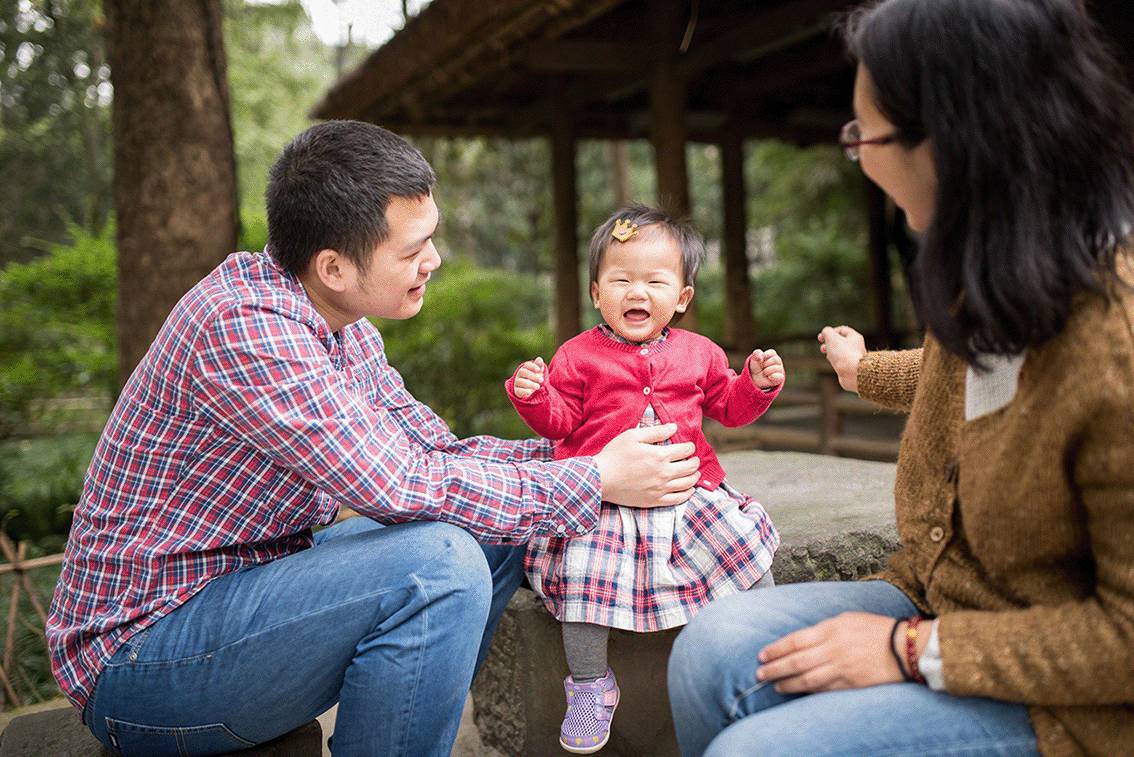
column 393, row 286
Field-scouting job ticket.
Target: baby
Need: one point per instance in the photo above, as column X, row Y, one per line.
column 642, row 570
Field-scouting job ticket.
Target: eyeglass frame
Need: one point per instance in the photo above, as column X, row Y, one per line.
column 851, row 147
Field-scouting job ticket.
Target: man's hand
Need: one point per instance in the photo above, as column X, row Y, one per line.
column 844, row 348
column 529, row 378
column 848, row 651
column 767, row 368
column 636, row 471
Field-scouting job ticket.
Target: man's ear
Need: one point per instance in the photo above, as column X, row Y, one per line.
column 684, row 299
column 332, row 269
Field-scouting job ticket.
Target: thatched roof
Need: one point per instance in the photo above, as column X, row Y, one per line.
column 503, row 67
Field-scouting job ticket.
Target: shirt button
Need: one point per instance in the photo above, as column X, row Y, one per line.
column 644, row 351
column 580, row 530
column 646, row 390
column 561, row 529
column 937, row 533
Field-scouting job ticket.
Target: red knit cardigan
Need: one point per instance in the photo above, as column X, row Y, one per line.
column 597, row 387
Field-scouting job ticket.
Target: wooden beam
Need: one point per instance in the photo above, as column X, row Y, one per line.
column 761, row 32
column 567, row 293
column 739, row 328
column 589, row 56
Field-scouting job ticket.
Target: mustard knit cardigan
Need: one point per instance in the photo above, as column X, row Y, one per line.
column 1017, row 527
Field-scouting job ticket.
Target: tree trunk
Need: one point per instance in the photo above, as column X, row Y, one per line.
column 174, row 166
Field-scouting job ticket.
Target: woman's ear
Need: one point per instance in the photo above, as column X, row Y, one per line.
column 684, row 299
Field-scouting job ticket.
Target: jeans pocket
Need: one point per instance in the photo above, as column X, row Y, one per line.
column 129, row 739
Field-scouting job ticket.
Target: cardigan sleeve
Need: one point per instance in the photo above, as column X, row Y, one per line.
column 889, row 378
column 555, row 409
column 1078, row 652
column 731, row 399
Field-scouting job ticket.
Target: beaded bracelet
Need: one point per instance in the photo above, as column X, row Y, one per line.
column 894, row 650
column 911, row 649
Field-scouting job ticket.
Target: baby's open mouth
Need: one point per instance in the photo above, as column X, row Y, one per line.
column 636, row 315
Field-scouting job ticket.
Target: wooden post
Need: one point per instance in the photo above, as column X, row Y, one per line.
column 739, row 328
column 567, row 310
column 619, row 158
column 667, row 110
column 879, row 255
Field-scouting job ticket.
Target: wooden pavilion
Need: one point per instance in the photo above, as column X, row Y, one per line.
column 671, row 71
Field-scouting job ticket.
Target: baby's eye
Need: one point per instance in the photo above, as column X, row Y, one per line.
column 621, row 281
column 657, row 282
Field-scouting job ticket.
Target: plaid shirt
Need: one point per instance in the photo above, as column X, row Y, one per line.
column 248, row 422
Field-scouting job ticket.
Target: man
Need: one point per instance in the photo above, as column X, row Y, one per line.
column 196, row 613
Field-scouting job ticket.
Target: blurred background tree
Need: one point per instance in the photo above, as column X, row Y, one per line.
column 55, row 97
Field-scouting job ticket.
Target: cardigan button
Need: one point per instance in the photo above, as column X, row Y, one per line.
column 937, row 533
column 646, row 390
column 644, row 351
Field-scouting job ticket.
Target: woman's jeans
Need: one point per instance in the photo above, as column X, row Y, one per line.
column 720, row 709
column 390, row 623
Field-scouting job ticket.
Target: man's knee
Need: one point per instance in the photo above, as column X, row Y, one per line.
column 460, row 564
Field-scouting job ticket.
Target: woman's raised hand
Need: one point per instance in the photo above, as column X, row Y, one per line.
column 844, row 348
column 636, row 471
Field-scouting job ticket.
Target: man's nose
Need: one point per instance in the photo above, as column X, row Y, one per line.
column 432, row 260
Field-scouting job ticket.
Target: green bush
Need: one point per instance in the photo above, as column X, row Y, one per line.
column 476, row 326
column 57, row 325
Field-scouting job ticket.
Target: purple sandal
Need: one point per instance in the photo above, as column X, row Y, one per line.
column 590, row 709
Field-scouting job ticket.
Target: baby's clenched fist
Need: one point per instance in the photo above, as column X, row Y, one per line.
column 529, row 378
column 767, row 369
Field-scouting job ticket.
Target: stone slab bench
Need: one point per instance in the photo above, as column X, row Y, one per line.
column 836, row 520
column 60, row 733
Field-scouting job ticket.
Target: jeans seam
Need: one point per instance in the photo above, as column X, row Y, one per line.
column 420, row 663
column 973, row 745
column 734, row 711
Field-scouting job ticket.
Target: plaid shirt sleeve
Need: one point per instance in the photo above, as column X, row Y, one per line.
column 268, row 381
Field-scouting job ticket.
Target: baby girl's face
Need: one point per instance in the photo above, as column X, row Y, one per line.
column 641, row 285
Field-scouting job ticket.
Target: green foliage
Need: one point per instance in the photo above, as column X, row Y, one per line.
column 57, row 325
column 476, row 326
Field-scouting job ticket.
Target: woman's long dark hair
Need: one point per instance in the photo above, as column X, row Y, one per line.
column 1032, row 133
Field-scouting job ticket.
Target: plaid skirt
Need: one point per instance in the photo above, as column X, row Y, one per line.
column 648, row 570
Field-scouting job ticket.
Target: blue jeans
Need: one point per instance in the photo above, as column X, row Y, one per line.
column 720, row 709
column 390, row 623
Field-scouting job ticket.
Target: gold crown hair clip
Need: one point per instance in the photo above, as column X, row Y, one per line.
column 624, row 230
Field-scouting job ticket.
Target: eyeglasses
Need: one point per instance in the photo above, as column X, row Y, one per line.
column 850, row 139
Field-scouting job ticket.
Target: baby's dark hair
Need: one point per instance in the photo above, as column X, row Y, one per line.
column 681, row 231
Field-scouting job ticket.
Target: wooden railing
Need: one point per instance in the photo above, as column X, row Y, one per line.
column 813, row 390
column 21, row 585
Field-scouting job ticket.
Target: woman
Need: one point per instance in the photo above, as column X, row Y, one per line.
column 1005, row 624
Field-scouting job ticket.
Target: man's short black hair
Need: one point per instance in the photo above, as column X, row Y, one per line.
column 330, row 187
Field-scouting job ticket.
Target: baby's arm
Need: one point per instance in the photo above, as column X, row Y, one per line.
column 737, row 400
column 548, row 398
